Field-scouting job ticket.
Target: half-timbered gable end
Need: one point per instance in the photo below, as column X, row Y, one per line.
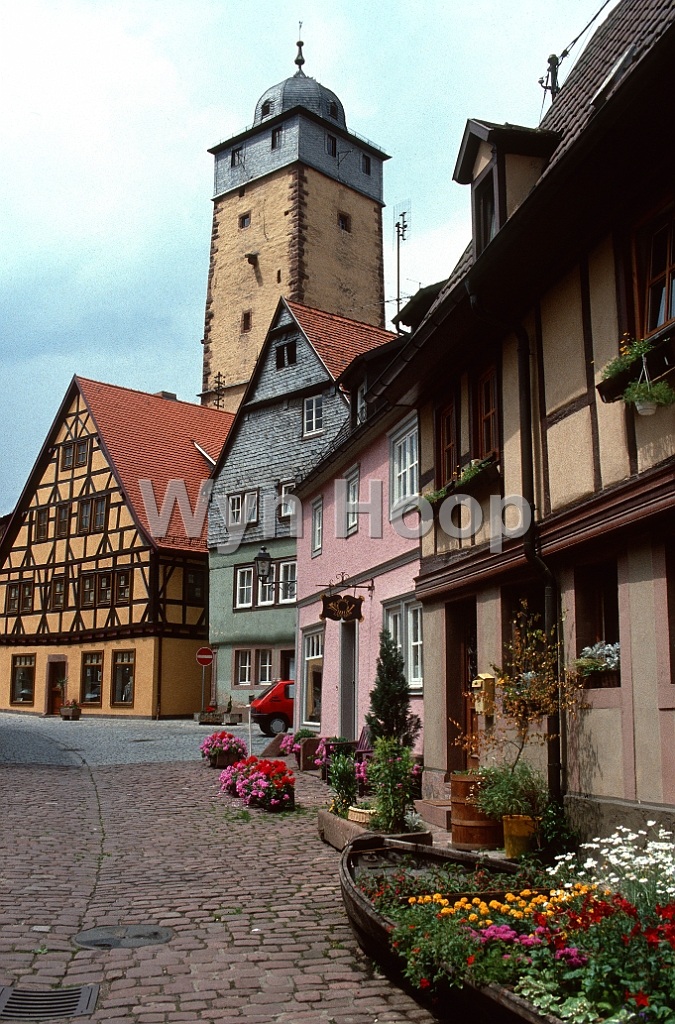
column 102, row 583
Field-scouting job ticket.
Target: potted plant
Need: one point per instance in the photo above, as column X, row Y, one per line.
column 517, row 795
column 261, row 783
column 222, row 749
column 210, row 716
column 70, row 711
column 599, row 665
column 646, row 395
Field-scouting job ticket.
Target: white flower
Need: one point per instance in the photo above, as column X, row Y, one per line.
column 650, row 824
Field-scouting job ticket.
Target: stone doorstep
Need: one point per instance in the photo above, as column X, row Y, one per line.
column 435, row 812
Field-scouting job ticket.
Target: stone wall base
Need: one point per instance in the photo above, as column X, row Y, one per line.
column 597, row 816
column 435, row 784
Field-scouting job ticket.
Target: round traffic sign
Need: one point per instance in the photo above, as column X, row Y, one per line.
column 204, row 656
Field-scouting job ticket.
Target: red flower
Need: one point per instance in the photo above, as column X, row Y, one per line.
column 470, row 959
column 424, row 983
column 667, row 912
column 640, row 998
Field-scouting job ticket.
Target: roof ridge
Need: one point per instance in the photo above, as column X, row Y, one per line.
column 150, row 394
column 338, row 316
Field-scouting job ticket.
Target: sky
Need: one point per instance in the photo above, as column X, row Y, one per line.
column 107, row 109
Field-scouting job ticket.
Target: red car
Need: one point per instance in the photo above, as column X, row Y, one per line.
column 273, row 709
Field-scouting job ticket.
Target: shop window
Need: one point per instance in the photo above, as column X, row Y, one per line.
column 312, row 677
column 122, row 586
column 596, row 602
column 403, row 620
column 92, row 677
column 23, row 679
column 62, row 520
column 123, row 677
column 487, row 412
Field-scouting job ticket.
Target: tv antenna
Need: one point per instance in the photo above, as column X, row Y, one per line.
column 402, row 216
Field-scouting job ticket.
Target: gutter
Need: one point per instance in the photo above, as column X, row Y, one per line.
column 529, row 546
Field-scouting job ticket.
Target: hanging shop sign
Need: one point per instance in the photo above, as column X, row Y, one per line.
column 341, row 608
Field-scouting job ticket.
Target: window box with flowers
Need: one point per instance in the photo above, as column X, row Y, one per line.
column 475, row 476
column 655, row 356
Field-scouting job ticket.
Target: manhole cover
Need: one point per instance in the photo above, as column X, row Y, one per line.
column 18, row 1004
column 126, row 936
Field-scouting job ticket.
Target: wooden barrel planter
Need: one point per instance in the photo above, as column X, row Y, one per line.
column 471, row 829
column 224, row 759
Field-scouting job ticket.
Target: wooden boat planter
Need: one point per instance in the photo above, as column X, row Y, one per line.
column 486, row 1005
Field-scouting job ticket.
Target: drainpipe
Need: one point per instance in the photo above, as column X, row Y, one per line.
column 527, row 478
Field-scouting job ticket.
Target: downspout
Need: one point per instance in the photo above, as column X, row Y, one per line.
column 529, row 548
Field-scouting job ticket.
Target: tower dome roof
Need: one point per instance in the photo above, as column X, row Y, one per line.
column 300, row 91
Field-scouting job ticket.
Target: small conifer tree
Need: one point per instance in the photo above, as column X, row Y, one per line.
column 389, row 714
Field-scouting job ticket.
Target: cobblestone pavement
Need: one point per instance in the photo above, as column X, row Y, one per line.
column 32, row 739
column 259, row 930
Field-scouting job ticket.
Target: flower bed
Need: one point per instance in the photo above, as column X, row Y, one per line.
column 598, row 947
column 223, row 744
column 261, row 783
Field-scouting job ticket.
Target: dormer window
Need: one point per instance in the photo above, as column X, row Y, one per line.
column 484, row 212
column 361, row 406
column 285, row 355
column 266, row 108
column 333, row 110
column 237, row 157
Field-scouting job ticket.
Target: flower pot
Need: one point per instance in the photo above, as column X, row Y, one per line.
column 210, row 718
column 518, row 832
column 307, row 756
column 224, row 758
column 646, row 408
column 471, row 829
column 362, row 815
column 71, row 714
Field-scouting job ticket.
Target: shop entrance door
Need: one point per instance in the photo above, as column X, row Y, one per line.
column 56, row 681
column 462, row 667
column 348, row 680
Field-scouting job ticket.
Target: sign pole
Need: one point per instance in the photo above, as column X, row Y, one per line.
column 250, row 735
column 204, row 657
column 203, row 677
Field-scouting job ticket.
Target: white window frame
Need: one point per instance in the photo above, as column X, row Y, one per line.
column 403, row 472
column 241, row 572
column 317, row 526
column 312, row 416
column 353, row 483
column 245, row 663
column 251, row 507
column 311, row 650
column 267, row 654
column 266, row 590
column 400, row 618
column 361, row 405
column 288, row 581
column 286, row 508
column 235, row 508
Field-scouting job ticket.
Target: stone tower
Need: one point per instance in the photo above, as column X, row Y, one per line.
column 297, row 212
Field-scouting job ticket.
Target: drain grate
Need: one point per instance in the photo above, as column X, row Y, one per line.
column 128, row 937
column 18, row 1004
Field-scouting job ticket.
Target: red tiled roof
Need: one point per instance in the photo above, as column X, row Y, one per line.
column 152, row 438
column 336, row 339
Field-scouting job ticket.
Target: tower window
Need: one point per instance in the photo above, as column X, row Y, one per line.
column 333, row 110
column 276, row 138
column 278, row 277
column 245, row 220
column 331, row 145
column 286, row 355
column 237, row 157
column 246, row 321
column 344, row 222
column 242, row 192
column 365, row 163
column 266, row 108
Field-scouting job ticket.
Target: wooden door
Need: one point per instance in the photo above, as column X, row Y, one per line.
column 461, row 668
column 56, row 681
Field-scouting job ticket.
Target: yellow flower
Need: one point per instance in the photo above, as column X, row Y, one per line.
column 412, row 899
column 426, row 899
column 437, row 897
column 447, row 910
column 484, row 910
column 487, row 923
column 510, row 898
column 526, row 892
column 445, row 902
column 473, row 917
column 495, row 904
column 476, row 901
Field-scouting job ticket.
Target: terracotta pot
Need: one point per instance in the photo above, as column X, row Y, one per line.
column 518, row 832
column 471, row 829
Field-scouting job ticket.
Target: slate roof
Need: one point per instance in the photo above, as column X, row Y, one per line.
column 632, row 23
column 148, row 437
column 336, row 339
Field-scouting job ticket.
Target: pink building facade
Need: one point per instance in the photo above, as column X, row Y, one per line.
column 376, row 466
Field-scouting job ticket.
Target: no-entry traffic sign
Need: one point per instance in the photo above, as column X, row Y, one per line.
column 204, row 656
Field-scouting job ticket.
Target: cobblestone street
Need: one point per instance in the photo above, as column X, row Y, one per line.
column 253, row 900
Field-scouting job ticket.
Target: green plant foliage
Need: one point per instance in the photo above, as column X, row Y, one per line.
column 392, row 773
column 303, row 734
column 660, row 393
column 389, row 716
column 629, row 351
column 556, row 835
column 342, row 779
column 504, row 789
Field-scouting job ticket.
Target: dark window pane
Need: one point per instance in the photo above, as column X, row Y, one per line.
column 123, row 678
column 84, row 516
column 104, row 588
column 659, row 252
column 657, row 305
column 81, row 458
column 92, row 672
column 88, row 591
column 99, row 513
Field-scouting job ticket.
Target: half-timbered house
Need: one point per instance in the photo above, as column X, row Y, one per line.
column 572, row 255
column 103, row 584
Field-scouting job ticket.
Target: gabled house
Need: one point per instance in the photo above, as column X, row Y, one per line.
column 572, row 253
column 292, row 411
column 356, row 536
column 103, row 584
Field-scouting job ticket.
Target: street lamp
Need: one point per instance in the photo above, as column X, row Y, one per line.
column 263, row 564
